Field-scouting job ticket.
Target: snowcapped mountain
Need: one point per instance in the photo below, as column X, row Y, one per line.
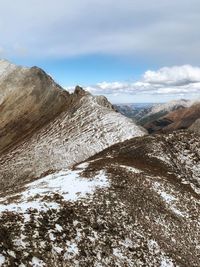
column 170, row 106
column 173, row 115
column 159, row 110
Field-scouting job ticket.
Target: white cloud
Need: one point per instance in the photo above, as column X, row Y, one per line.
column 177, row 80
column 177, row 75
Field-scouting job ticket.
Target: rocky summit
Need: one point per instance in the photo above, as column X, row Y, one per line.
column 82, row 185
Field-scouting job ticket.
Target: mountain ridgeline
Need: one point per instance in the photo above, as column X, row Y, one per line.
column 47, row 128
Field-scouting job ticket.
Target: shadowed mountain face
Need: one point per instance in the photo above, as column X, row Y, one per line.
column 29, row 98
column 82, row 185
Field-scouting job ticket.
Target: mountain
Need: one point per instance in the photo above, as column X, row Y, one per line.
column 179, row 119
column 126, row 110
column 133, row 204
column 146, row 113
column 159, row 110
column 48, row 129
column 134, row 111
column 167, row 117
column 82, row 185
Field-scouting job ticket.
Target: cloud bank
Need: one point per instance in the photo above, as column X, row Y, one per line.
column 163, row 31
column 178, row 80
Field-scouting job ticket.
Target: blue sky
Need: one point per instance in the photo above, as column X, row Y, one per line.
column 128, row 50
column 91, row 69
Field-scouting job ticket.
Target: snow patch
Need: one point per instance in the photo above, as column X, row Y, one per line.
column 72, row 251
column 37, row 262
column 2, row 259
column 69, row 184
column 169, row 199
column 166, row 262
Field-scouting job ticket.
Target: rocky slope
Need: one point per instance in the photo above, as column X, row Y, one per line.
column 134, row 204
column 195, row 126
column 28, row 99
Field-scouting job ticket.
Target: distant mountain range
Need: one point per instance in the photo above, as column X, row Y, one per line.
column 83, row 185
column 174, row 115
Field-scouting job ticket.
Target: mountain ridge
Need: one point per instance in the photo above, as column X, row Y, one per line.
column 65, row 129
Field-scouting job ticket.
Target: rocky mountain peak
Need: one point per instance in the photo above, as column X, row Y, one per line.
column 103, row 101
column 80, row 91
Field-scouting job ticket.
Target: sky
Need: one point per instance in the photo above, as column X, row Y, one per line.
column 128, row 50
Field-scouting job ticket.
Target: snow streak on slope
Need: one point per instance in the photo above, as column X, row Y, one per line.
column 180, row 151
